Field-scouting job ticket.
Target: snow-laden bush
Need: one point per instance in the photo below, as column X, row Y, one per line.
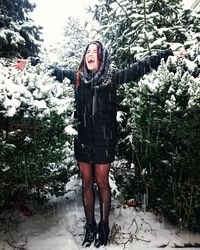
column 36, row 115
column 162, row 132
column 33, row 92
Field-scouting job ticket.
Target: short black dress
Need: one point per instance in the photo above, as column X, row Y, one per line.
column 96, row 110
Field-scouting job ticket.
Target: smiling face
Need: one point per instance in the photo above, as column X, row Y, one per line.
column 91, row 57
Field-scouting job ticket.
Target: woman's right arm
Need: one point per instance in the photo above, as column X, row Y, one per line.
column 57, row 72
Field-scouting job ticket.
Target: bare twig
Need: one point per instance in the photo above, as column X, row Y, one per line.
column 119, row 237
column 16, row 247
column 12, row 223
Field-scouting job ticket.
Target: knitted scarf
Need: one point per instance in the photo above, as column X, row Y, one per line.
column 104, row 74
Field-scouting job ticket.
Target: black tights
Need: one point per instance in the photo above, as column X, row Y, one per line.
column 100, row 173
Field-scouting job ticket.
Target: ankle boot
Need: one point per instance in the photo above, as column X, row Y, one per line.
column 102, row 234
column 90, row 233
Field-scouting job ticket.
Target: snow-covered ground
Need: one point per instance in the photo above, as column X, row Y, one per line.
column 60, row 226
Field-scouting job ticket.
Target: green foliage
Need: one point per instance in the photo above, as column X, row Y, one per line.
column 163, row 129
column 31, row 158
column 75, row 41
column 18, row 34
column 135, row 28
column 35, row 134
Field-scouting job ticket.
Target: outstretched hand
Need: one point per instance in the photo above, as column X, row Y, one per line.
column 178, row 50
column 181, row 53
column 20, row 64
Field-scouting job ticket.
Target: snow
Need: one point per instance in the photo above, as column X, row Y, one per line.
column 70, row 130
column 38, row 91
column 158, row 42
column 60, row 225
column 120, row 116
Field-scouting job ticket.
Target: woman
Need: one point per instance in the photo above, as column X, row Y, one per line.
column 96, row 85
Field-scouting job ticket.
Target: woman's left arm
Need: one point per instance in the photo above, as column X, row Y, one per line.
column 137, row 70
column 60, row 74
column 57, row 72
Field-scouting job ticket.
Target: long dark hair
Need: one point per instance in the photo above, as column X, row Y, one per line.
column 83, row 64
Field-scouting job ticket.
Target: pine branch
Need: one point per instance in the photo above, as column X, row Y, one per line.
column 145, row 22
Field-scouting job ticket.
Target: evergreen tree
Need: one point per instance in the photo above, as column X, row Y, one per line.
column 75, row 40
column 35, row 133
column 36, row 124
column 68, row 53
column 191, row 20
column 137, row 27
column 163, row 129
column 18, row 34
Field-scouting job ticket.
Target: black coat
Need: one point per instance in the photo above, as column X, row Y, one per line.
column 96, row 110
